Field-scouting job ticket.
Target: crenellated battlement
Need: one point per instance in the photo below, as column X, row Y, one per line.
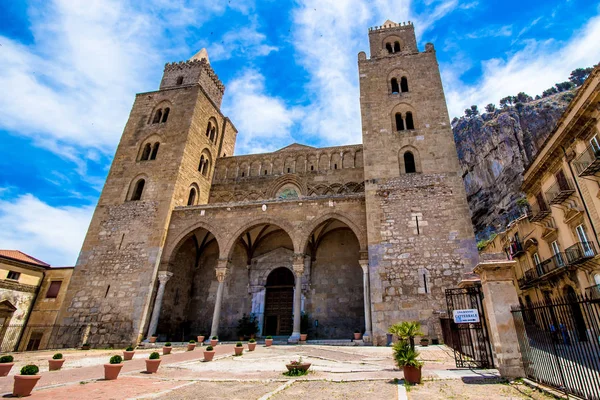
column 193, row 64
column 389, row 24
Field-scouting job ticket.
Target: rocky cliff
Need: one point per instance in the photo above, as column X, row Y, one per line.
column 495, row 148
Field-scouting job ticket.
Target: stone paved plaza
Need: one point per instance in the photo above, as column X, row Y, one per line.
column 344, row 372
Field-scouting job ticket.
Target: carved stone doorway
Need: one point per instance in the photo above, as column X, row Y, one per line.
column 279, row 303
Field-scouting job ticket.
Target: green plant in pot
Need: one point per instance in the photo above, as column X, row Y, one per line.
column 167, row 348
column 268, row 341
column 239, row 348
column 153, row 362
column 113, row 368
column 251, row 345
column 128, row 353
column 214, row 341
column 406, row 358
column 191, row 345
column 25, row 382
column 209, row 353
column 6, row 363
column 56, row 362
column 407, row 331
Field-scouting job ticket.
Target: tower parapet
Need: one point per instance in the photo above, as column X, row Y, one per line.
column 392, row 38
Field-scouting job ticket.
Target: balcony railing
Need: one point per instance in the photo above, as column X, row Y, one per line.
column 580, row 252
column 515, row 248
column 588, row 162
column 539, row 211
column 553, row 263
column 560, row 191
column 593, row 293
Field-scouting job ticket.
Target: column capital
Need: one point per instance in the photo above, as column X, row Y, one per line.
column 298, row 263
column 164, row 276
column 221, row 273
column 364, row 264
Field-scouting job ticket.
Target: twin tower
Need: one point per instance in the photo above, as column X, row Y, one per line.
column 407, row 207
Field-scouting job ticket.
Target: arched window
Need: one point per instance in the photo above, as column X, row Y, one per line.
column 208, row 128
column 179, row 80
column 265, row 171
column 409, row 121
column 146, row 152
column 213, row 134
column 395, row 87
column 396, row 47
column 201, row 165
column 399, row 122
column 192, row 197
column 166, row 114
column 409, row 163
column 154, row 150
column 404, row 84
column 388, row 46
column 138, row 190
column 157, row 116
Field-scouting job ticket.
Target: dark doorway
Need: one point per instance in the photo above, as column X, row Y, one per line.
column 279, row 303
column 577, row 316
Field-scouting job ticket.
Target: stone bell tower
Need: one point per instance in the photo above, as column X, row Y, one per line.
column 419, row 229
column 165, row 159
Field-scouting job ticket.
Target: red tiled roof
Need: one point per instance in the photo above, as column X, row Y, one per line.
column 20, row 256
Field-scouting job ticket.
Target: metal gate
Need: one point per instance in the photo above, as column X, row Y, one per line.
column 470, row 341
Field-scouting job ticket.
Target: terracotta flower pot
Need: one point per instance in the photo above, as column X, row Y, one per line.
column 152, row 365
column 128, row 355
column 167, row 350
column 208, row 355
column 302, row 367
column 191, row 346
column 200, row 339
column 303, row 337
column 357, row 336
column 238, row 350
column 268, row 342
column 153, row 339
column 85, row 347
column 251, row 346
column 5, row 368
column 24, row 384
column 424, row 342
column 214, row 342
column 412, row 374
column 55, row 365
column 111, row 371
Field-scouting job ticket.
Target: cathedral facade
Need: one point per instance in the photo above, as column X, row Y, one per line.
column 187, row 238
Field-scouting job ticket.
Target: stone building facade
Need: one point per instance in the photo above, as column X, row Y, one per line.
column 187, row 238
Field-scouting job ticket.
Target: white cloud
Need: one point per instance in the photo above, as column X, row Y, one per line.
column 244, row 42
column 533, row 69
column 52, row 234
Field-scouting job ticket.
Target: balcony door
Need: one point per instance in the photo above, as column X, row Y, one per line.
column 562, row 181
column 595, row 143
column 585, row 244
column 556, row 253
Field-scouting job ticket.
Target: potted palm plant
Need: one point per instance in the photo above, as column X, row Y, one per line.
column 239, row 348
column 191, row 345
column 209, row 353
column 406, row 358
column 357, row 335
column 56, row 362
column 214, row 340
column 251, row 344
column 25, row 382
column 113, row 368
column 407, row 331
column 128, row 353
column 6, row 363
column 167, row 348
column 152, row 363
column 268, row 341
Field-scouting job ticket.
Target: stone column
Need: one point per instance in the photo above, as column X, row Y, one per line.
column 499, row 294
column 163, row 278
column 221, row 271
column 364, row 264
column 298, row 267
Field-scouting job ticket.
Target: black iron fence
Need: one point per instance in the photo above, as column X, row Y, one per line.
column 560, row 343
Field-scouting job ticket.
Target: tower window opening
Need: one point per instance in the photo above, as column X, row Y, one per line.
column 388, row 46
column 157, row 116
column 154, row 151
column 404, row 84
column 192, row 197
column 179, row 80
column 396, row 47
column 395, row 86
column 265, row 171
column 409, row 121
column 289, row 170
column 334, row 166
column 213, row 134
column 146, row 152
column 399, row 122
column 312, row 167
column 243, row 174
column 201, row 165
column 166, row 114
column 138, row 190
column 409, row 163
column 208, row 128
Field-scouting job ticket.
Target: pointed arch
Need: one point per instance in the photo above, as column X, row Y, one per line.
column 138, row 189
column 409, row 160
column 157, row 116
column 146, row 152
column 309, row 227
column 406, row 114
column 396, row 47
column 395, row 86
column 166, row 114
column 154, row 151
column 193, row 195
column 388, row 47
column 409, row 163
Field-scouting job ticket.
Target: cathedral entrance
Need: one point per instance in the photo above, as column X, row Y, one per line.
column 279, row 303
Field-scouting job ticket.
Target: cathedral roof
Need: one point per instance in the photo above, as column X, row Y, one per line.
column 202, row 54
column 389, row 22
column 294, row 146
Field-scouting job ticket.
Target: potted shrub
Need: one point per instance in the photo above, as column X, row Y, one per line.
column 406, row 331
column 56, row 362
column 298, row 365
column 85, row 346
column 128, row 353
column 357, row 335
column 112, row 369
column 251, row 344
column 406, row 358
column 6, row 363
column 424, row 342
column 191, row 345
column 153, row 338
column 239, row 348
column 209, row 353
column 152, row 363
column 25, row 382
column 167, row 348
column 201, row 339
column 213, row 341
column 268, row 341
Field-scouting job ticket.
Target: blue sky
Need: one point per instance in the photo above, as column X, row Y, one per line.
column 69, row 70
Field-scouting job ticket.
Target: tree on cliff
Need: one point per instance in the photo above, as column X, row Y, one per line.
column 579, row 75
column 490, row 108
